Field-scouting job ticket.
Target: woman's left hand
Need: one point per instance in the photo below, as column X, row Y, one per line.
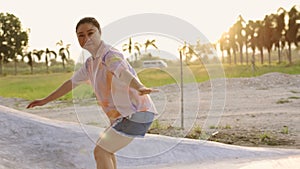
column 146, row 90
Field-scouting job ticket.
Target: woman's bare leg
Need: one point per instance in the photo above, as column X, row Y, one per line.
column 104, row 159
column 114, row 161
column 109, row 143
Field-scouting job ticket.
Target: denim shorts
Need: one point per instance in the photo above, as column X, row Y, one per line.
column 136, row 124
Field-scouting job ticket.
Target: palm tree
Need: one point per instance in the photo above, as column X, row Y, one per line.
column 222, row 42
column 248, row 34
column 292, row 31
column 62, row 52
column 225, row 46
column 182, row 50
column 253, row 41
column 279, row 25
column 150, row 43
column 30, row 58
column 137, row 47
column 232, row 42
column 188, row 51
column 260, row 40
column 128, row 46
column 267, row 35
column 48, row 54
column 240, row 36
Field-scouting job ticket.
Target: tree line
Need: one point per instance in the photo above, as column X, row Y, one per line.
column 276, row 31
column 14, row 45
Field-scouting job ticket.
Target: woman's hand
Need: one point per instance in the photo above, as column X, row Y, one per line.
column 34, row 103
column 62, row 90
column 145, row 90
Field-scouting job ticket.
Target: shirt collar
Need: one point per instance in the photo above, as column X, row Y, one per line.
column 103, row 49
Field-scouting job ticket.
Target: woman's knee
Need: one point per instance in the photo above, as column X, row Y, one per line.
column 100, row 152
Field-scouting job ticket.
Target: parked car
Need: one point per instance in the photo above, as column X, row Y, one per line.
column 154, row 63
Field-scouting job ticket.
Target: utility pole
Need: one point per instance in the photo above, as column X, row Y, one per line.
column 181, row 90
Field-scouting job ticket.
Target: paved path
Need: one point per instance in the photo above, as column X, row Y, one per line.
column 29, row 141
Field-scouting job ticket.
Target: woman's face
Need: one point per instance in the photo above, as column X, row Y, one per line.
column 89, row 37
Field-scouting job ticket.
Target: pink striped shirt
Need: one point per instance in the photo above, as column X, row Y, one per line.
column 112, row 94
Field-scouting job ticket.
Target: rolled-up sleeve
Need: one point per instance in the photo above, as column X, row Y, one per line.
column 116, row 64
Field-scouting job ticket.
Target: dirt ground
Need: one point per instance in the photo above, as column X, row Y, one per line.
column 258, row 111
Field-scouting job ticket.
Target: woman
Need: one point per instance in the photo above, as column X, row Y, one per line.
column 118, row 91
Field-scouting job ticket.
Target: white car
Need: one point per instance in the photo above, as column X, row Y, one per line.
column 154, row 63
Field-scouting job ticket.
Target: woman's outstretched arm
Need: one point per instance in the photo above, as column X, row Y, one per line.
column 65, row 88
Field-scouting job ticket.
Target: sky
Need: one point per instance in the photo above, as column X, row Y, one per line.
column 51, row 21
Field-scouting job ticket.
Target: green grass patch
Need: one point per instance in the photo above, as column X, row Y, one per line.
column 294, row 97
column 282, row 101
column 155, row 77
column 285, row 130
column 293, row 91
column 40, row 85
column 32, row 86
column 246, row 70
column 265, row 137
column 227, row 126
